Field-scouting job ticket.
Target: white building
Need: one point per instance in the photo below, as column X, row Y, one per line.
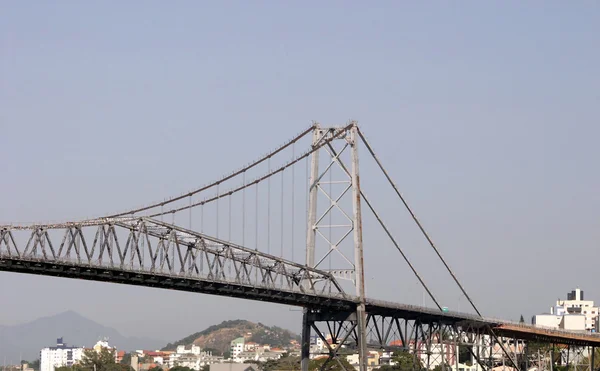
column 60, row 355
column 575, row 314
column 194, row 349
column 256, row 356
column 237, row 347
column 194, row 358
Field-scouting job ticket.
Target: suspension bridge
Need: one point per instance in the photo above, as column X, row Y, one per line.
column 187, row 243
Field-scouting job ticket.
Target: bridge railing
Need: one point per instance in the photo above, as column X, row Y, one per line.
column 151, row 246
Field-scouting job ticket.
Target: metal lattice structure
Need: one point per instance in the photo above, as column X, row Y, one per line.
column 136, row 247
column 155, row 253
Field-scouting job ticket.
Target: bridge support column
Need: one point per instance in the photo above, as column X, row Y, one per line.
column 305, row 346
column 361, row 330
column 342, row 330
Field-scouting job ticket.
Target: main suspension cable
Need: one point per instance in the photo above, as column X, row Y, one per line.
column 224, row 179
column 414, row 217
column 334, row 134
column 314, row 148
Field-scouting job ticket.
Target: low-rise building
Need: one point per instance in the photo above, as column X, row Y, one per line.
column 194, row 358
column 193, row 349
column 256, row 356
column 119, row 356
column 574, row 314
column 250, row 346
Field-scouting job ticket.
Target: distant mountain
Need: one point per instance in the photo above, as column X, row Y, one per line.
column 219, row 337
column 26, row 340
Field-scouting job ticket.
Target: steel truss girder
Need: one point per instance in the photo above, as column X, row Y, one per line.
column 437, row 341
column 148, row 252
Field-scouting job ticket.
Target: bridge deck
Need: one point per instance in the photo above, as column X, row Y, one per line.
column 276, row 295
column 499, row 327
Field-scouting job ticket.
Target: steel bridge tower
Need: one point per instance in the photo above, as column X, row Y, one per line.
column 354, row 323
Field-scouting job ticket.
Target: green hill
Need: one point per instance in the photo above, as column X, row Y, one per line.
column 218, row 337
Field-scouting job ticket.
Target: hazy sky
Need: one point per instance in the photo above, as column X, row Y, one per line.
column 487, row 116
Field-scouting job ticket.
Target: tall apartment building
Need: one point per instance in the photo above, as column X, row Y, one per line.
column 59, row 355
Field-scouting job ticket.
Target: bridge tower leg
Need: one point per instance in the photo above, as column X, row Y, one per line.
column 358, row 253
column 355, row 272
column 310, row 243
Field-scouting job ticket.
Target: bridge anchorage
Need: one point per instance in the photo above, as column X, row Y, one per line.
column 139, row 247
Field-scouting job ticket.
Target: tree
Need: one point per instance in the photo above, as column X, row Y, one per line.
column 464, row 355
column 405, row 361
column 126, row 360
column 284, row 363
column 522, row 320
column 97, row 361
column 34, row 364
column 331, row 364
column 180, row 368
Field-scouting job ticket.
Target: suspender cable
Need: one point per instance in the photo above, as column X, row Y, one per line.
column 244, row 211
column 293, row 200
column 306, row 202
column 269, row 210
column 201, row 231
column 330, row 211
column 218, row 198
column 256, row 221
column 414, row 217
column 229, row 230
column 282, row 216
column 162, row 252
column 282, row 222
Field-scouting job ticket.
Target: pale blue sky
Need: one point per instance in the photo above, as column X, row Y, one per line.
column 487, row 115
